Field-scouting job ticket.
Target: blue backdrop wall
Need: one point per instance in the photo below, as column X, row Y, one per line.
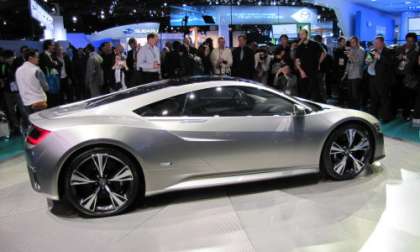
column 404, row 22
column 369, row 23
column 364, row 24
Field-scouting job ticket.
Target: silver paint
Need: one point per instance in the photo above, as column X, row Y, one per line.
column 202, row 151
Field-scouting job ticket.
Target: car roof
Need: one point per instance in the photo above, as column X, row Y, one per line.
column 158, row 85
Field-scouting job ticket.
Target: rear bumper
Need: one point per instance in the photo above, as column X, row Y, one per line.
column 42, row 172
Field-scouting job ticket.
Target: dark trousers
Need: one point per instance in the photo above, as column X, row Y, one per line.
column 66, row 91
column 53, row 100
column 308, row 88
column 148, row 77
column 355, row 93
column 416, row 114
column 10, row 108
column 24, row 112
column 380, row 99
column 80, row 91
column 402, row 97
column 135, row 79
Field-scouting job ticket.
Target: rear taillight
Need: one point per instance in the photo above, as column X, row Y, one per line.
column 36, row 135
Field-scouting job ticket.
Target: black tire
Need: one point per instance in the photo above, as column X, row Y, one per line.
column 338, row 151
column 111, row 193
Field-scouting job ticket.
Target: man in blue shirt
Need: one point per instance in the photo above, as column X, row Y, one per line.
column 148, row 60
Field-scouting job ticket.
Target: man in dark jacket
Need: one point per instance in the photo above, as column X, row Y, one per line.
column 66, row 75
column 404, row 92
column 131, row 63
column 309, row 56
column 51, row 67
column 18, row 61
column 46, row 60
column 339, row 68
column 243, row 60
column 380, row 68
column 108, row 55
column 8, row 90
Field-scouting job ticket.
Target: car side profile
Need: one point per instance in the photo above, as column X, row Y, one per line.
column 103, row 154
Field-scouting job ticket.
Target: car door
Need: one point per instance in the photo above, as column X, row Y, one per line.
column 236, row 129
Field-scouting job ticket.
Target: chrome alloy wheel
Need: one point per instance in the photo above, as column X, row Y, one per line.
column 349, row 152
column 101, row 183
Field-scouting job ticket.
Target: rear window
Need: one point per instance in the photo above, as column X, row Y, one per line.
column 117, row 96
column 143, row 89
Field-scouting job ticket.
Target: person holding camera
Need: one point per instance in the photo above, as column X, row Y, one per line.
column 204, row 52
column 221, row 58
column 285, row 80
column 380, row 69
column 262, row 65
column 354, row 71
column 406, row 76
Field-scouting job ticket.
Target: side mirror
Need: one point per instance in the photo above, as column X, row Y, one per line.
column 299, row 110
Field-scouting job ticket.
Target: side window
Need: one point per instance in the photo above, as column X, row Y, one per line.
column 210, row 102
column 236, row 101
column 265, row 103
column 173, row 106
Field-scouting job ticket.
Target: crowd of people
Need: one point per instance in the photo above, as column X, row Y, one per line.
column 384, row 81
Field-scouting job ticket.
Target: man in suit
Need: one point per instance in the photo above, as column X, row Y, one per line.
column 380, row 69
column 243, row 60
column 131, row 62
column 51, row 68
column 47, row 62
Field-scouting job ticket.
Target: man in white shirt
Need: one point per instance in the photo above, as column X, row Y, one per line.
column 221, row 58
column 148, row 59
column 31, row 83
column 32, row 86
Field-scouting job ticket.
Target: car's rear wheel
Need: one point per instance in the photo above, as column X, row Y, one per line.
column 102, row 182
column 347, row 152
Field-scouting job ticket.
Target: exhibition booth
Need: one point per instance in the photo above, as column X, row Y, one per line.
column 263, row 24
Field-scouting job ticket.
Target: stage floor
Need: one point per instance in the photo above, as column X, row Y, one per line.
column 294, row 214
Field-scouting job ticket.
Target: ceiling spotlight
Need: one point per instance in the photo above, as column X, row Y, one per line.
column 74, row 19
column 259, row 3
column 184, row 5
column 165, row 4
column 4, row 22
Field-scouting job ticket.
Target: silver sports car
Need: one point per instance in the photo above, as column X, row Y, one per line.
column 104, row 153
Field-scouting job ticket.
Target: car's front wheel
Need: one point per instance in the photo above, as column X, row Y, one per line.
column 102, row 182
column 347, row 152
